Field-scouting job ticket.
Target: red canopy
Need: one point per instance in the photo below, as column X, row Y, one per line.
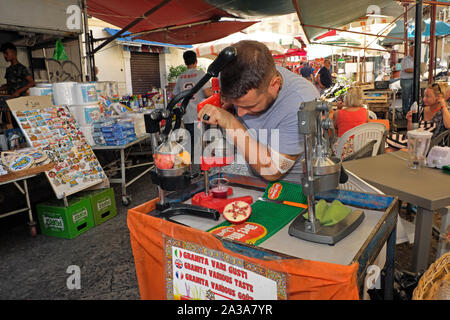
column 326, row 34
column 290, row 53
column 177, row 22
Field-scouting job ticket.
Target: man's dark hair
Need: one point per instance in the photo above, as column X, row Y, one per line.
column 8, row 45
column 253, row 68
column 190, row 57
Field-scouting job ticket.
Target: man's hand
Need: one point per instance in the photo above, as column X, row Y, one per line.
column 16, row 94
column 213, row 115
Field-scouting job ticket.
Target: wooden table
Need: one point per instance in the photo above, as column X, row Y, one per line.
column 428, row 188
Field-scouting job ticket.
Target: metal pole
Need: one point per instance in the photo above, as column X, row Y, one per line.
column 417, row 54
column 86, row 40
column 92, row 57
column 405, row 28
column 132, row 24
column 432, row 42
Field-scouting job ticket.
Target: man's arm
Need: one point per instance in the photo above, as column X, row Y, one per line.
column 318, row 79
column 30, row 83
column 261, row 158
column 208, row 92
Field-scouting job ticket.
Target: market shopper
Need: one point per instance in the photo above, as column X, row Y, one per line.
column 307, row 72
column 436, row 116
column 353, row 114
column 184, row 82
column 324, row 79
column 406, row 80
column 18, row 78
column 262, row 119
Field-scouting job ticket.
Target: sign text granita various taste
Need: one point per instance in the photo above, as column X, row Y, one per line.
column 197, row 272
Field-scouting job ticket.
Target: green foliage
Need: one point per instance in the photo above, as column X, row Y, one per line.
column 174, row 72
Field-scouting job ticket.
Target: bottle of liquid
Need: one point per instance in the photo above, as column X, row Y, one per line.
column 140, row 103
column 415, row 116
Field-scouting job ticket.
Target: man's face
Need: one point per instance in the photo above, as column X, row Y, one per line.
column 327, row 64
column 254, row 102
column 9, row 55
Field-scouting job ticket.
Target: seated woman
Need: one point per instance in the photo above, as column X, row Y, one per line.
column 353, row 114
column 436, row 117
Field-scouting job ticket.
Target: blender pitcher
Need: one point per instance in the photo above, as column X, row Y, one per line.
column 418, row 145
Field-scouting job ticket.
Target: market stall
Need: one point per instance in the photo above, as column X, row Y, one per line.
column 167, row 254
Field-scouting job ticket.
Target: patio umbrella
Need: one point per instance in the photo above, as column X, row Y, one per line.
column 442, row 29
column 339, row 41
column 316, row 16
column 272, row 40
column 167, row 21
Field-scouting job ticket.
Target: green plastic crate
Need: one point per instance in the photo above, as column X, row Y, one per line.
column 65, row 222
column 103, row 204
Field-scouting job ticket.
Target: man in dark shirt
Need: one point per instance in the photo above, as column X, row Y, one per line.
column 323, row 77
column 306, row 72
column 18, row 78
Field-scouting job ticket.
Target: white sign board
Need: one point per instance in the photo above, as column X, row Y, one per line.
column 41, row 15
column 204, row 274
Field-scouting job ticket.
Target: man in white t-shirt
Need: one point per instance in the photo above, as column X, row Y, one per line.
column 185, row 81
column 406, row 80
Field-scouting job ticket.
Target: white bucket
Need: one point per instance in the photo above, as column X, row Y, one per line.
column 85, row 93
column 41, row 91
column 85, row 114
column 44, row 85
column 63, row 93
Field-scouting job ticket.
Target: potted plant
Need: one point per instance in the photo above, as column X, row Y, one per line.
column 174, row 73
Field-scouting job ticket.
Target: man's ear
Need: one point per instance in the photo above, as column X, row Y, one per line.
column 275, row 84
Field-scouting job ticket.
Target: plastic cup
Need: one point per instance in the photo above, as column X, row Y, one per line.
column 418, row 145
column 219, row 187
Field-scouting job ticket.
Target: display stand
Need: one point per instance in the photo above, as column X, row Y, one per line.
column 54, row 130
column 126, row 199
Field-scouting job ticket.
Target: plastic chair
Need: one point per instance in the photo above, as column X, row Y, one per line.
column 362, row 135
column 443, row 139
column 372, row 115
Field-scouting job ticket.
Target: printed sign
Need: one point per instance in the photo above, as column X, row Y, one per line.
column 195, row 272
column 79, row 216
column 275, row 191
column 248, row 232
column 103, row 204
column 53, row 223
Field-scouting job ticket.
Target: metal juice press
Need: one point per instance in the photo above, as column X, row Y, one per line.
column 172, row 162
column 321, row 172
column 216, row 153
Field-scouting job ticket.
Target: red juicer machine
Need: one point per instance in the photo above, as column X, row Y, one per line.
column 218, row 154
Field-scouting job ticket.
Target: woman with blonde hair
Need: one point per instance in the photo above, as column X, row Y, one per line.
column 353, row 114
column 436, row 116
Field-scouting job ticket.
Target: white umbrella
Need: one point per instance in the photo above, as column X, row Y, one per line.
column 273, row 41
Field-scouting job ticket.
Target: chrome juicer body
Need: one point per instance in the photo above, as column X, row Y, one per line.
column 321, row 172
column 172, row 163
